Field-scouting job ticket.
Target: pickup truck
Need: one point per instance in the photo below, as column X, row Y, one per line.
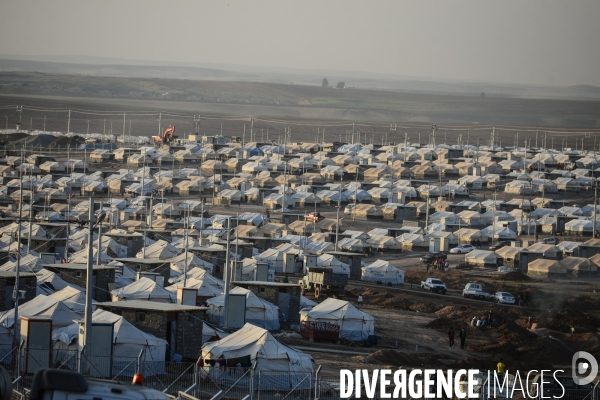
column 475, row 291
column 314, row 216
column 434, row 285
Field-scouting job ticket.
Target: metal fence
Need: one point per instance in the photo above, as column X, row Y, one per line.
column 190, row 381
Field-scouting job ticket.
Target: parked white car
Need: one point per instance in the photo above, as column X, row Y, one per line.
column 349, row 208
column 503, row 298
column 462, row 249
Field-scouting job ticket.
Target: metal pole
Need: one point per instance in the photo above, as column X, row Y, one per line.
column 187, row 226
column 68, row 227
column 17, row 272
column 89, row 284
column 594, row 213
column 98, row 259
column 355, row 194
column 69, row 123
column 337, row 218
column 226, row 277
column 494, row 218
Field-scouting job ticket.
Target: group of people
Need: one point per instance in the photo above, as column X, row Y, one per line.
column 439, row 264
column 476, row 243
column 485, row 321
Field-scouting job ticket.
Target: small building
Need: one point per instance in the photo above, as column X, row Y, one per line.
column 103, row 277
column 162, row 267
column 179, row 325
column 27, row 284
column 284, row 295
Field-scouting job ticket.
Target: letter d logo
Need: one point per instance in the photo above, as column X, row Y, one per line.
column 582, row 363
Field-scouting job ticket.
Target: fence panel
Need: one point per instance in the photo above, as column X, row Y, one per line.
column 285, row 385
column 168, row 377
column 328, row 387
column 235, row 382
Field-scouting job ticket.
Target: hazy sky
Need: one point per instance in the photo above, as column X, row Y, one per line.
column 553, row 42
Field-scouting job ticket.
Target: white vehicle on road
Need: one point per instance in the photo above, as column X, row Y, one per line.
column 462, row 249
column 434, row 285
column 503, row 298
column 475, row 291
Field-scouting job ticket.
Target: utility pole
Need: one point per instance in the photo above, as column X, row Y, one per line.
column 18, row 268
column 98, row 257
column 89, row 287
column 186, row 232
column 123, row 127
column 427, row 209
column 494, row 217
column 355, row 194
column 226, row 277
column 594, row 213
column 337, row 218
column 69, row 123
column 68, row 225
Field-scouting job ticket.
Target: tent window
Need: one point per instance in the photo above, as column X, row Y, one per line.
column 261, row 289
column 140, row 317
column 78, row 274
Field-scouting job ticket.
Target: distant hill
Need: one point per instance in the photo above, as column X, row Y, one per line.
column 110, row 67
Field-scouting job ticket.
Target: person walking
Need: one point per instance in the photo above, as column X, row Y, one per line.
column 360, row 300
column 463, row 336
column 500, row 367
column 451, row 337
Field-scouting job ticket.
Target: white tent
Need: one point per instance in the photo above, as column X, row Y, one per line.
column 256, row 344
column 144, row 289
column 161, row 250
column 29, row 263
column 49, row 282
column 382, row 271
column 178, row 264
column 72, row 298
column 204, row 287
column 500, row 233
column 330, row 261
column 354, row 324
column 128, row 341
column 258, row 311
column 42, row 306
column 202, row 274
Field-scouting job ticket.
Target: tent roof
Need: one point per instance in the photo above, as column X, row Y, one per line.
column 124, row 332
column 338, row 310
column 143, row 288
column 258, row 343
column 42, row 306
